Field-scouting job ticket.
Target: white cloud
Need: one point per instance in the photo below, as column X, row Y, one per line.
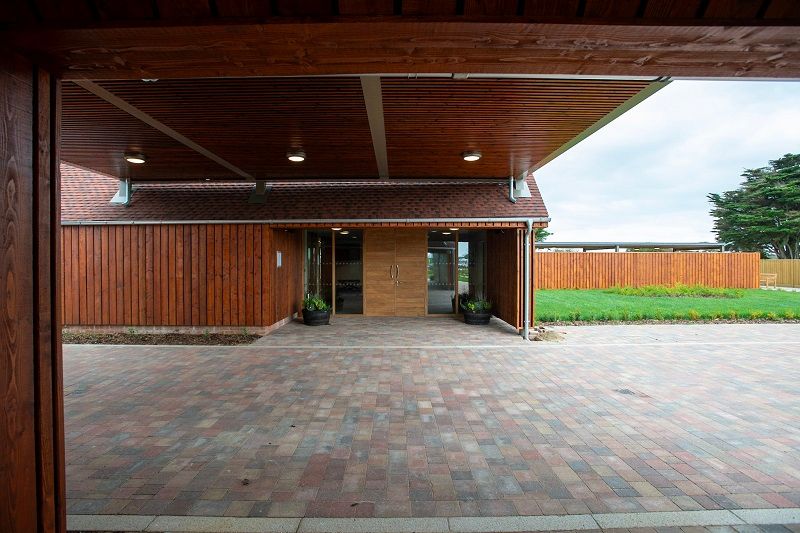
column 646, row 175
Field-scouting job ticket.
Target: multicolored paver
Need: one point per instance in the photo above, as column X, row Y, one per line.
column 667, row 421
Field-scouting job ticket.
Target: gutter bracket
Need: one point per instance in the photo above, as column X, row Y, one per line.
column 259, row 194
column 123, row 195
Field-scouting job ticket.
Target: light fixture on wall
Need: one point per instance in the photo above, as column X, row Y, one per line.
column 453, row 229
column 296, row 156
column 344, row 233
column 472, row 155
column 336, row 229
column 135, row 158
column 445, row 233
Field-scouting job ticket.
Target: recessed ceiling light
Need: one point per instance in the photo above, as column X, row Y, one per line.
column 445, row 233
column 345, row 232
column 296, row 156
column 136, row 159
column 472, row 155
column 208, row 179
column 453, row 229
column 336, row 229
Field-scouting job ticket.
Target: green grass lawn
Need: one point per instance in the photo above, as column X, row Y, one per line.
column 605, row 305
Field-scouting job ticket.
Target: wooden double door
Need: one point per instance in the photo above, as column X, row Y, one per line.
column 395, row 272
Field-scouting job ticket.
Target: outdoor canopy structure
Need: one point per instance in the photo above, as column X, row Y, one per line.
column 592, row 54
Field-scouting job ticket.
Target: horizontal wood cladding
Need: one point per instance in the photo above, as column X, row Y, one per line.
column 180, row 275
column 581, row 270
column 513, row 123
column 632, row 11
column 604, row 47
column 504, row 274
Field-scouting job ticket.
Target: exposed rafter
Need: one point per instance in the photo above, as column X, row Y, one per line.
column 158, row 125
column 373, row 100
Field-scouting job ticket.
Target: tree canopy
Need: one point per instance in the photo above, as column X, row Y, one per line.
column 763, row 214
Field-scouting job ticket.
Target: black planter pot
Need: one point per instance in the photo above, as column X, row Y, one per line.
column 477, row 319
column 316, row 318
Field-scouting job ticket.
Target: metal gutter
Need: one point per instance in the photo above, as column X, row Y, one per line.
column 526, row 280
column 342, row 221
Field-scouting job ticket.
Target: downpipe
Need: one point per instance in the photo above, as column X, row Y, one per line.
column 526, row 283
column 511, row 190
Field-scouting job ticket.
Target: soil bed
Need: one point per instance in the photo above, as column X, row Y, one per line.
column 210, row 339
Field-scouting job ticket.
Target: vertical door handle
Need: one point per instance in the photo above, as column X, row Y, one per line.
column 397, row 275
column 391, row 271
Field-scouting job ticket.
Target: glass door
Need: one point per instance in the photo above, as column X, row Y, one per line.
column 441, row 272
column 349, row 271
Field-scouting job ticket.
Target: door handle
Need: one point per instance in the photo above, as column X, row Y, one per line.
column 397, row 275
column 392, row 275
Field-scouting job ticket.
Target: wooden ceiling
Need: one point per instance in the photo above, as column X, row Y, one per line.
column 251, row 123
column 134, row 39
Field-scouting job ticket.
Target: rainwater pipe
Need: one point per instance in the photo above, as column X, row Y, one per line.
column 526, row 280
column 511, row 190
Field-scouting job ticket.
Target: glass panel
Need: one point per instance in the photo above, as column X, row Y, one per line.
column 319, row 267
column 349, row 272
column 441, row 272
column 472, row 263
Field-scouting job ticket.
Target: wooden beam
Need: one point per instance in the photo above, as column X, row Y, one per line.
column 373, row 100
column 401, row 46
column 31, row 420
column 157, row 124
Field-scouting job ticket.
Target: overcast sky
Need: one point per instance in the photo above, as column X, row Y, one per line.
column 645, row 176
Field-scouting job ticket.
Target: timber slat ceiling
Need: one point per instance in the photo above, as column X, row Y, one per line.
column 253, row 122
column 513, row 123
column 96, row 135
column 618, row 11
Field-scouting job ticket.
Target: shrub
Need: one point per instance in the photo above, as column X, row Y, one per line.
column 789, row 314
column 474, row 304
column 733, row 315
column 315, row 303
column 771, row 316
column 677, row 291
column 693, row 314
column 755, row 315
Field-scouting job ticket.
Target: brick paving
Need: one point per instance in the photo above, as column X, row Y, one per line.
column 339, row 429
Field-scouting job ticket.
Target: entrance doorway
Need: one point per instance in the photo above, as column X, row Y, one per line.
column 394, row 272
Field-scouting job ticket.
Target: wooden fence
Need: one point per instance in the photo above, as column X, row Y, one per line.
column 600, row 270
column 788, row 271
column 180, row 275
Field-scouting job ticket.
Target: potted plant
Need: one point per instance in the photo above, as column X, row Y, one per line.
column 316, row 312
column 477, row 311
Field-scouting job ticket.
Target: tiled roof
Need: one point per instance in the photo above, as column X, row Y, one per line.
column 85, row 197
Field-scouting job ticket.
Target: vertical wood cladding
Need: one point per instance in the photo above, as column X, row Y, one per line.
column 31, row 420
column 504, row 274
column 180, row 275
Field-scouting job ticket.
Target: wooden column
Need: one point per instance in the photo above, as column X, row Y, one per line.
column 31, row 418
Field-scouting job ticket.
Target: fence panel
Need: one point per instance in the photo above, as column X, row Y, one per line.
column 788, row 271
column 601, row 270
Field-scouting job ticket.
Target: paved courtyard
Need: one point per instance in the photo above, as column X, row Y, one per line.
column 394, row 419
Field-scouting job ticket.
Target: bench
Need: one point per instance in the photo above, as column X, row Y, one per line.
column 766, row 279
